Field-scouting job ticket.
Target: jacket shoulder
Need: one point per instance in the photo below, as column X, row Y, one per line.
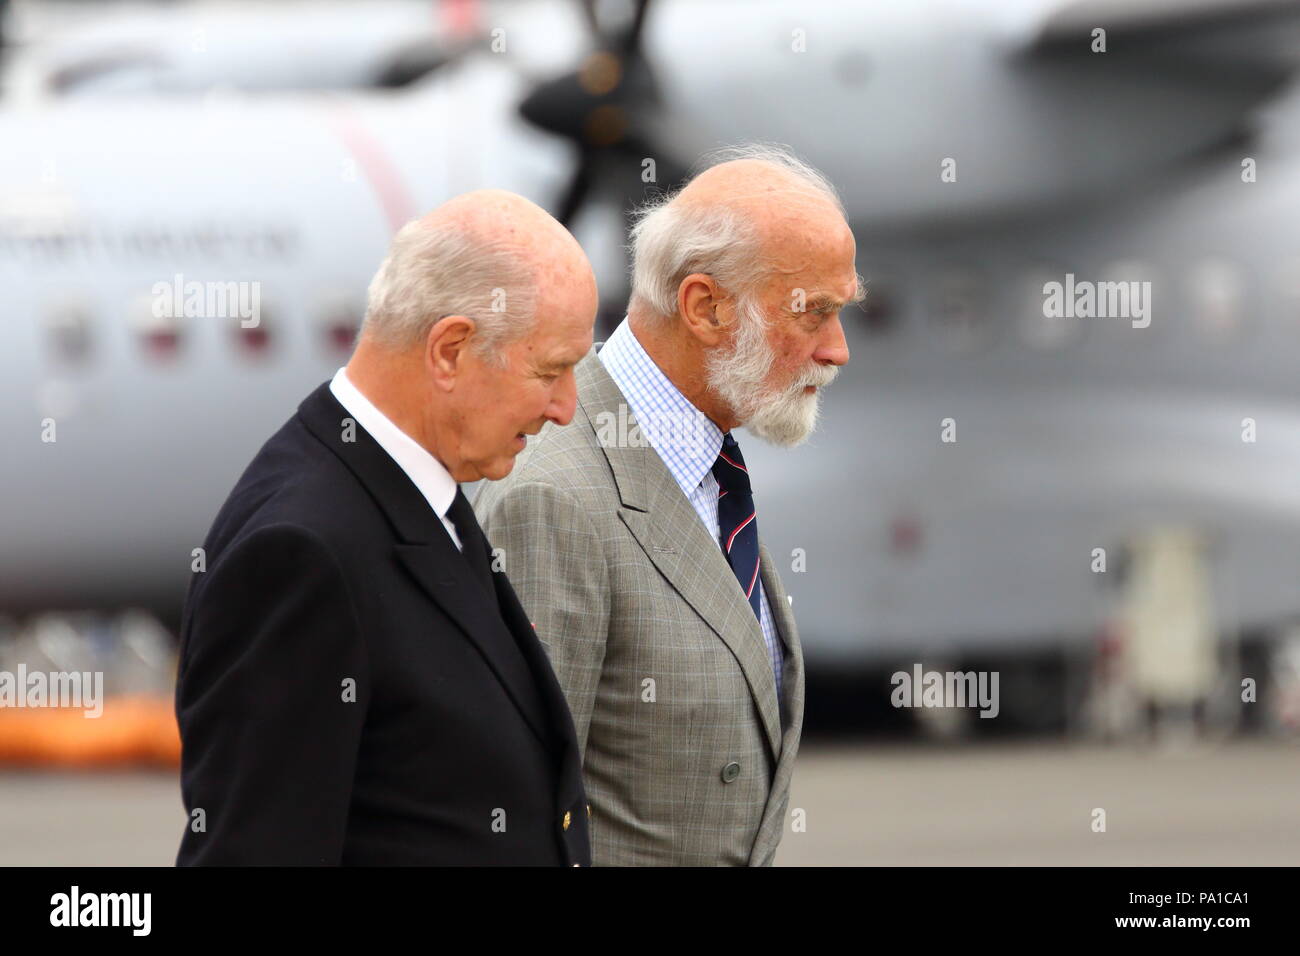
column 294, row 480
column 567, row 457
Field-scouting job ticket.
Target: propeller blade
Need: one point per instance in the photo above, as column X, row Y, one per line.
column 577, row 192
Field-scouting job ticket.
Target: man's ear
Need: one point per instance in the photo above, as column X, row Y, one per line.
column 698, row 300
column 446, row 348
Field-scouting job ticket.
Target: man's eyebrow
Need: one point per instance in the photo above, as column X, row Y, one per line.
column 859, row 293
column 823, row 300
column 820, row 301
column 559, row 364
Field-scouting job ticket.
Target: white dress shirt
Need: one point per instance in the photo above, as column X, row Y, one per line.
column 427, row 473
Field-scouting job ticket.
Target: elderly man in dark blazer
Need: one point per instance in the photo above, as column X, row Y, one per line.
column 356, row 685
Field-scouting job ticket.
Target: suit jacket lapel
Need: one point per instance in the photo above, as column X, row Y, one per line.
column 427, row 551
column 793, row 679
column 549, row 687
column 445, row 576
column 675, row 540
column 783, row 618
column 782, row 613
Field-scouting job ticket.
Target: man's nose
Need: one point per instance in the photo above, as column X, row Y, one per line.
column 564, row 401
column 832, row 347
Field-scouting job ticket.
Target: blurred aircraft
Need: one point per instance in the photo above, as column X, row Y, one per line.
column 1071, row 434
column 130, row 49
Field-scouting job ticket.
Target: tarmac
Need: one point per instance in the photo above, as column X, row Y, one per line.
column 898, row 804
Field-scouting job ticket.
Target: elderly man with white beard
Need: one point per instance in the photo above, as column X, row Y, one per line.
column 632, row 537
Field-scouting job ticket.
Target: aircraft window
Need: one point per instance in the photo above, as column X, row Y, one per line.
column 880, row 309
column 254, row 341
column 1039, row 329
column 1143, row 277
column 959, row 312
column 67, row 323
column 159, row 335
column 905, row 535
column 853, row 67
column 339, row 320
column 1217, row 295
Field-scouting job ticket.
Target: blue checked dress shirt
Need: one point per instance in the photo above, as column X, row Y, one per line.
column 686, row 440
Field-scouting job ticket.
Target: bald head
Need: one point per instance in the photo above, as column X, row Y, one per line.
column 770, row 196
column 757, row 211
column 495, row 216
column 489, row 255
column 476, row 320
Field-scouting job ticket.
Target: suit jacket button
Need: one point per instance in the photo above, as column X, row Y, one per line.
column 565, row 822
column 589, row 811
column 730, row 772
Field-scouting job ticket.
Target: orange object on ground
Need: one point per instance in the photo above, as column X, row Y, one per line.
column 131, row 730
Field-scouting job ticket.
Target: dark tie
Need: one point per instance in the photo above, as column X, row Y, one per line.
column 501, row 643
column 473, row 542
column 737, row 522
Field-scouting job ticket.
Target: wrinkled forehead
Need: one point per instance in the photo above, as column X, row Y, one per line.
column 810, row 247
column 564, row 281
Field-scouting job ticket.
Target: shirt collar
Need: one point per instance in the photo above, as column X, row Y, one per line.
column 683, row 436
column 428, row 474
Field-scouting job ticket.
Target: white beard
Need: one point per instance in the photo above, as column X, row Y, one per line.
column 784, row 416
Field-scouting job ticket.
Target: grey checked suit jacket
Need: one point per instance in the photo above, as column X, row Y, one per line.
column 687, row 753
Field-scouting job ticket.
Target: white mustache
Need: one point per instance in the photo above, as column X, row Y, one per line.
column 819, row 377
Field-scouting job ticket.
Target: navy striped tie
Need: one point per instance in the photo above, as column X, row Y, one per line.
column 737, row 521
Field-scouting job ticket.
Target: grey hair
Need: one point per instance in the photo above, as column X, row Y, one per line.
column 670, row 241
column 434, row 271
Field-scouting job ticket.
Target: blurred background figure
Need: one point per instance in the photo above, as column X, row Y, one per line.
column 1100, row 508
column 1171, row 629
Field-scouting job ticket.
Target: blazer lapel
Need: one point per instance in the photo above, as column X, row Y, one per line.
column 427, row 551
column 570, row 782
column 667, row 528
column 443, row 573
